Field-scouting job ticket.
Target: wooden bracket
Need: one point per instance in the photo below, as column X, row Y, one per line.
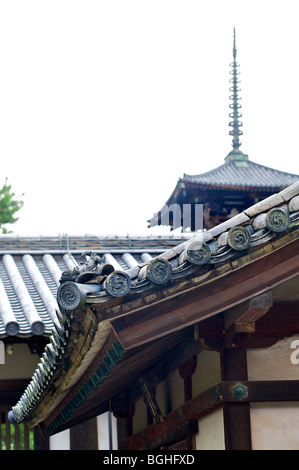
column 151, row 401
column 242, row 319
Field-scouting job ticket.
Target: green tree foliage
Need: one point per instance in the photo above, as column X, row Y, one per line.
column 16, row 440
column 9, row 205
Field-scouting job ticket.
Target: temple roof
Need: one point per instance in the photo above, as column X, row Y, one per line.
column 114, row 323
column 239, row 173
column 31, row 268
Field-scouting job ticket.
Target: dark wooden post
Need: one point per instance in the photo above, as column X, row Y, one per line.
column 84, row 436
column 186, row 370
column 123, row 411
column 40, row 442
column 236, row 415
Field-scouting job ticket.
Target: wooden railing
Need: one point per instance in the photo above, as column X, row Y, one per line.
column 14, row 436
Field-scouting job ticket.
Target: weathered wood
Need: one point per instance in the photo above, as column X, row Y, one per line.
column 168, row 364
column 228, row 392
column 208, row 300
column 236, row 395
column 259, row 391
column 280, row 321
column 237, row 426
column 186, row 371
column 187, row 368
column 242, row 318
column 234, row 364
column 236, row 416
column 84, row 436
column 193, row 409
column 172, row 435
column 124, row 430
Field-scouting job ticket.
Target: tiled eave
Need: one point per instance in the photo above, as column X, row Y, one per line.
column 204, row 187
column 247, row 177
column 243, row 240
column 31, row 268
column 246, row 174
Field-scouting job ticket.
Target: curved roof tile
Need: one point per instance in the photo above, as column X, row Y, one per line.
column 31, row 268
column 276, row 216
column 243, row 173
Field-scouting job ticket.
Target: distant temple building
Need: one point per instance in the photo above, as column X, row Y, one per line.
column 228, row 189
column 159, row 344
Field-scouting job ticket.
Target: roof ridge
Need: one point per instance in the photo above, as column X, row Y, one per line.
column 232, row 163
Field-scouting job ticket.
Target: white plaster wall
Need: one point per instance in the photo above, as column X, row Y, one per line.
column 60, row 441
column 103, row 431
column 278, row 362
column 207, row 372
column 21, row 364
column 163, row 396
column 139, row 420
column 275, row 426
column 210, row 434
column 176, row 386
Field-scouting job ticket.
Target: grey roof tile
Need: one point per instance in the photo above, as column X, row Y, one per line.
column 31, row 267
column 291, row 191
column 230, row 239
column 245, row 174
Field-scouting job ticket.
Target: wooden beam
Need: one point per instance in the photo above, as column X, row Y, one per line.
column 208, row 300
column 242, row 318
column 249, row 311
column 258, row 306
column 228, row 392
column 190, row 410
column 172, row 436
column 280, row 321
column 259, row 391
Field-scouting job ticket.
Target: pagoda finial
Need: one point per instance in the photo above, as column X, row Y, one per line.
column 235, row 106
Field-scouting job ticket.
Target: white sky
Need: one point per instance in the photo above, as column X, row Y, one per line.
column 105, row 104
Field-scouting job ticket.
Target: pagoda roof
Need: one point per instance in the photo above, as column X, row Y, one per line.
column 113, row 324
column 242, row 173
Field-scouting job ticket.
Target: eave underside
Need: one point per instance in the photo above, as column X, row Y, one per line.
column 219, row 200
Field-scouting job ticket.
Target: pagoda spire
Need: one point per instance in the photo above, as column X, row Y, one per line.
column 235, row 124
